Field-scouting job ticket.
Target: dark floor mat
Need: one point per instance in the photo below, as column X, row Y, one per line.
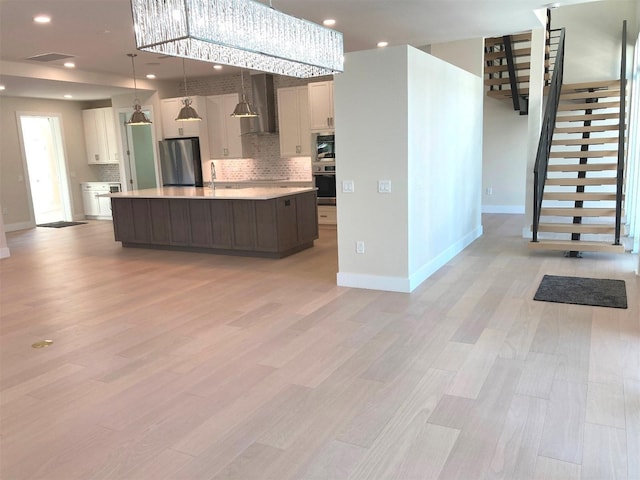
column 60, row 224
column 598, row 292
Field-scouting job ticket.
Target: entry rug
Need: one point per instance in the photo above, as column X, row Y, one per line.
column 60, row 224
column 599, row 292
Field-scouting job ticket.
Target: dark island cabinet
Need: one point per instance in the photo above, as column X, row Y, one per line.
column 274, row 228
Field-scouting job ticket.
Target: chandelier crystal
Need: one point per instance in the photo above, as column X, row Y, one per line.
column 243, row 33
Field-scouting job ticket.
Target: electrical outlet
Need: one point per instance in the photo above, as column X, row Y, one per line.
column 489, row 190
column 384, row 186
column 348, row 186
column 359, row 246
column 5, row 210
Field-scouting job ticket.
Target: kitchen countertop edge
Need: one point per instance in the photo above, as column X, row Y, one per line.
column 206, row 193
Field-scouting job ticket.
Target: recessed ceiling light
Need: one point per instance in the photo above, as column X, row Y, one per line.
column 69, row 64
column 217, row 67
column 329, row 22
column 68, row 96
column 382, row 44
column 151, row 76
column 42, row 19
column 2, row 87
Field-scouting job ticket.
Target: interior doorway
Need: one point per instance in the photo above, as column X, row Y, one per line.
column 46, row 167
column 140, row 163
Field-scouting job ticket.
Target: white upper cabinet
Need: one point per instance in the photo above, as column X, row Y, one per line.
column 321, row 106
column 170, row 108
column 293, row 121
column 100, row 135
column 224, row 130
column 174, row 129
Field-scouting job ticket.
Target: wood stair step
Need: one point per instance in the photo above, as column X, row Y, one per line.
column 502, row 94
column 577, row 167
column 505, row 68
column 594, row 228
column 565, row 107
column 518, row 52
column 520, row 37
column 577, row 212
column 578, row 196
column 576, row 246
column 585, row 141
column 505, row 80
column 588, row 154
column 583, row 95
column 582, row 118
column 582, row 129
column 574, row 87
column 575, row 182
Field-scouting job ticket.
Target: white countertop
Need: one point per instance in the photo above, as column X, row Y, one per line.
column 205, row 193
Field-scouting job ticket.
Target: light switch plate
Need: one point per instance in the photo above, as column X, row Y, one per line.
column 348, row 186
column 384, row 186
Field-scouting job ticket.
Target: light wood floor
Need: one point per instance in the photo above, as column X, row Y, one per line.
column 170, row 365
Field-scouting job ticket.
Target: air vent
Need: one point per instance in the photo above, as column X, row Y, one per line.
column 50, row 57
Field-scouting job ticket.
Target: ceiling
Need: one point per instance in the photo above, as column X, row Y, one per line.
column 99, row 33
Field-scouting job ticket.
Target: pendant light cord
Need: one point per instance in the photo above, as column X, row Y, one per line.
column 184, row 73
column 133, row 66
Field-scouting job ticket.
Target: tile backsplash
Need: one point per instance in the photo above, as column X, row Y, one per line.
column 107, row 173
column 294, row 169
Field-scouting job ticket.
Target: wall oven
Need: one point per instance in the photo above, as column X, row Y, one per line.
column 324, row 147
column 324, row 179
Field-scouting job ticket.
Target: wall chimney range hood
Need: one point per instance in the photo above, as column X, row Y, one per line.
column 263, row 101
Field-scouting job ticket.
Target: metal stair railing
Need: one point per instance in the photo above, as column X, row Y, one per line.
column 621, row 133
column 546, row 135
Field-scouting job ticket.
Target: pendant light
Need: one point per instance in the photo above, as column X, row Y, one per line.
column 244, row 108
column 137, row 117
column 187, row 112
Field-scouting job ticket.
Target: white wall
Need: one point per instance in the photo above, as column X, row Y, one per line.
column 593, row 32
column 14, row 195
column 418, row 124
column 4, row 249
column 466, row 54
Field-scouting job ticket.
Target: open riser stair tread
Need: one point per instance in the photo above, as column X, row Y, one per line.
column 576, row 246
column 579, row 196
column 585, row 141
column 583, row 154
column 519, row 37
column 567, row 107
column 582, row 228
column 576, row 87
column 519, row 52
column 575, row 182
column 576, row 167
column 505, row 67
column 577, row 212
column 582, row 118
column 582, row 129
column 610, row 93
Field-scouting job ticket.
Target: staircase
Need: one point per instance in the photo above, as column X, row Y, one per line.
column 507, row 66
column 579, row 196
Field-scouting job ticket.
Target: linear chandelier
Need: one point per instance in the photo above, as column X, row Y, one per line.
column 242, row 33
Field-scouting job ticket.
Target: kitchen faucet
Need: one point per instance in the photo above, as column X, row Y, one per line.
column 213, row 176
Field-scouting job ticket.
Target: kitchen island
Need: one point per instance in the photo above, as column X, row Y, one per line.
column 266, row 221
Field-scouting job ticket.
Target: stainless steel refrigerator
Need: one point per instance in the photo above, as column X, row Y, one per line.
column 180, row 162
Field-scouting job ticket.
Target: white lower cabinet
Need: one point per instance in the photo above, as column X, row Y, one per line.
column 327, row 215
column 96, row 206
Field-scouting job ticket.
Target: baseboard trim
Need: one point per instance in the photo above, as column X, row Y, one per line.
column 14, row 227
column 4, row 252
column 407, row 285
column 442, row 259
column 509, row 209
column 373, row 282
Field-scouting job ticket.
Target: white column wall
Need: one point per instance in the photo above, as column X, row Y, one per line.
column 405, row 116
